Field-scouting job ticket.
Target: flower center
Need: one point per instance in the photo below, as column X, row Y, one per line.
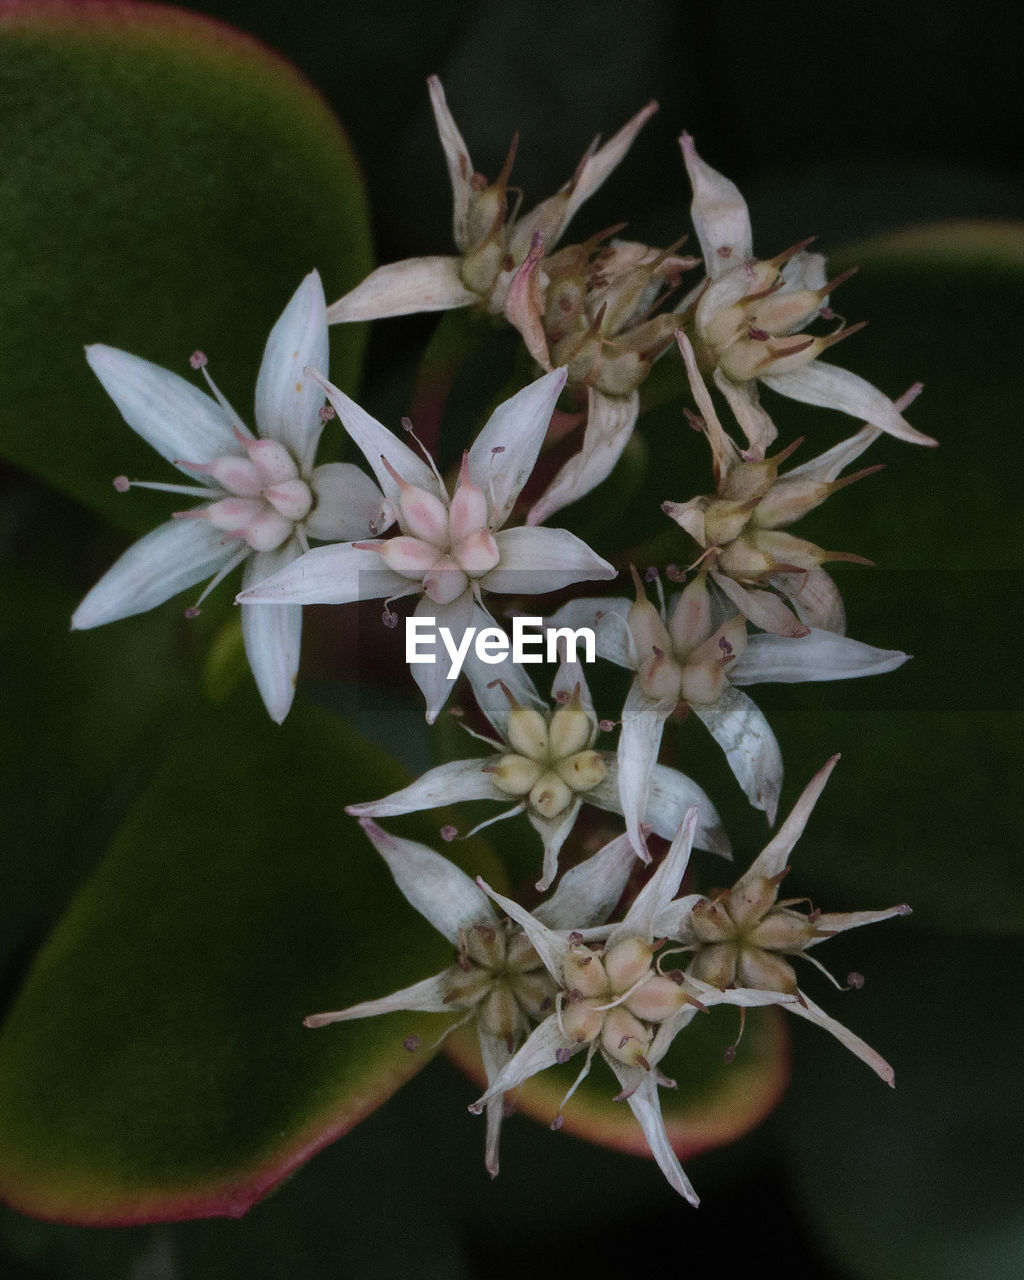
column 498, row 974
column 550, row 760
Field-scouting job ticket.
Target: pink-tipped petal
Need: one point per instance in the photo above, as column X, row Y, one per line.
column 450, row 783
column 536, row 560
column 829, row 387
column 774, row 857
column 819, row 655
column 337, row 574
column 456, row 154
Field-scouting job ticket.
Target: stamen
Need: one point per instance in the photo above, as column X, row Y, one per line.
column 408, row 427
column 236, row 559
column 730, row 1053
column 242, row 432
column 122, row 484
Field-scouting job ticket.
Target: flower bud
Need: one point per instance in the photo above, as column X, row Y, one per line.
column 657, row 999
column 499, row 1012
column 571, row 730
column 516, row 775
column 424, row 515
column 711, row 922
column 751, row 898
column 764, row 971
column 550, row 795
column 528, row 733
column 625, row 1038
column 583, row 972
column 273, row 461
column 582, row 771
column 291, row 498
column 627, row 962
column 783, row 931
column 581, row 1022
column 715, row 965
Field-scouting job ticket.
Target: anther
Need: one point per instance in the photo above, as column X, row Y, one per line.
column 197, row 359
column 411, row 1043
column 674, row 573
column 855, row 980
column 389, row 618
column 122, row 484
column 695, row 421
column 575, row 938
column 606, row 726
column 326, row 413
column 193, row 611
column 449, row 833
column 650, row 573
column 558, row 1121
column 562, row 1056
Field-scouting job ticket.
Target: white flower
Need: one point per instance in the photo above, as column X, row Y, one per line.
column 547, row 763
column 492, row 244
column 263, row 495
column 695, row 656
column 743, row 936
column 741, row 526
column 451, row 548
column 750, row 312
column 614, row 1000
column 497, row 979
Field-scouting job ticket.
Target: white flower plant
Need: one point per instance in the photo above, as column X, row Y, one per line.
column 755, row 606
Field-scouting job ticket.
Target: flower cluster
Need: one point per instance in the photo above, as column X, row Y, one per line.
column 586, row 970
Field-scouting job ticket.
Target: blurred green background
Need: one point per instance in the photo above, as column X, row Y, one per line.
column 167, row 191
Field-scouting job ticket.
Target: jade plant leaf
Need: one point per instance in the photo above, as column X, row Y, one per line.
column 165, row 183
column 155, row 1066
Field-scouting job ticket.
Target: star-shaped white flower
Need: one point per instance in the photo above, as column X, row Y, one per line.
column 547, row 764
column 497, row 980
column 451, row 548
column 696, row 655
column 741, row 526
column 750, row 313
column 612, row 999
column 742, row 937
column 263, row 496
column 492, row 244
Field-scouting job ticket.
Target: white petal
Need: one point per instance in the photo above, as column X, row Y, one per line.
column 554, row 832
column 723, row 452
column 175, row 417
column 402, row 288
column 669, row 795
column 426, row 996
column 337, row 574
column 437, row 888
column 288, row 403
column 610, row 422
column 815, row 597
column 830, row 387
column 754, row 421
column 432, row 677
column 538, row 1053
column 674, row 921
column 456, row 154
column 831, row 922
column 495, row 1055
column 176, row 555
column 720, row 215
column 741, row 730
column 764, row 609
column 820, row 655
column 606, row 617
column 595, row 168
column 646, row 1106
column 810, row 1011
column 537, row 560
column 643, row 723
column 272, row 636
column 503, row 454
column 551, row 946
column 774, row 857
column 827, row 466
column 375, row 441
column 588, row 893
column 659, row 891
column 349, row 506
column 446, row 784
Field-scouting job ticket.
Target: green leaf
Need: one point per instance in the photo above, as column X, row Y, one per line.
column 165, row 184
column 922, row 1183
column 155, row 1065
